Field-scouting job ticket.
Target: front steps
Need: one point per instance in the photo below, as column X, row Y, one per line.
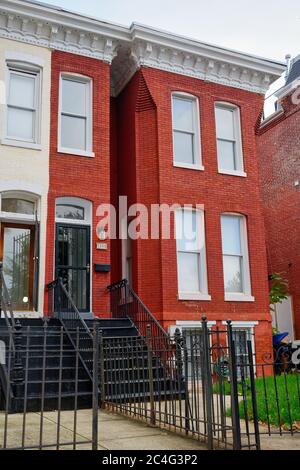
column 52, row 368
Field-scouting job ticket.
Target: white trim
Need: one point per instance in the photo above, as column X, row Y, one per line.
column 244, row 296
column 21, row 186
column 14, row 56
column 55, row 28
column 243, row 174
column 76, row 201
column 88, row 82
column 202, row 294
column 193, row 296
column 182, row 324
column 21, row 144
column 13, row 66
column 88, row 220
column 196, row 131
column 16, row 217
column 242, row 324
column 239, row 158
column 232, row 297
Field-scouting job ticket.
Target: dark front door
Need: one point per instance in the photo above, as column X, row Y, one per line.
column 72, row 264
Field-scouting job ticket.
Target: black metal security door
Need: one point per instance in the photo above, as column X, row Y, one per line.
column 72, row 264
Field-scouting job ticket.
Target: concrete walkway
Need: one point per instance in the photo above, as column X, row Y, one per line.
column 115, row 432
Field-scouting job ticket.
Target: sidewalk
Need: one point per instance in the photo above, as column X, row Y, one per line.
column 115, row 432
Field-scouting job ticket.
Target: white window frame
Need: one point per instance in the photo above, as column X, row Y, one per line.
column 88, row 152
column 246, row 325
column 246, row 295
column 197, row 132
column 23, row 68
column 189, row 325
column 239, row 159
column 18, row 217
column 202, row 293
column 75, row 201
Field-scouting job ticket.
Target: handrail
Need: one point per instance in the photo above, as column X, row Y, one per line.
column 130, row 304
column 70, row 321
column 5, row 301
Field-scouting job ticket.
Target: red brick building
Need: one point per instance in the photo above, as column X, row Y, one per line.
column 279, row 149
column 159, row 119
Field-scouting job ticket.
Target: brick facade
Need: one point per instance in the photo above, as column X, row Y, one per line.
column 147, row 175
column 84, row 177
column 279, row 149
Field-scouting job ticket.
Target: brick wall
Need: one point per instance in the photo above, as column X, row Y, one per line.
column 88, row 178
column 147, row 175
column 279, row 149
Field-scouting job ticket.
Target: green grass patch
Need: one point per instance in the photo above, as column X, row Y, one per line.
column 278, row 400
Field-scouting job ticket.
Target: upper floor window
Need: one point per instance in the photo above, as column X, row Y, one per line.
column 75, row 115
column 186, row 131
column 236, row 268
column 191, row 255
column 229, row 140
column 23, row 104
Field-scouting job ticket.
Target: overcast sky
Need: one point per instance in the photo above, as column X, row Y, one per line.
column 270, row 28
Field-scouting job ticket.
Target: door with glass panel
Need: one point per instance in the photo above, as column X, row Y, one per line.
column 17, row 254
column 72, row 265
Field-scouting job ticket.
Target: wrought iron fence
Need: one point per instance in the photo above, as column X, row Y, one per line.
column 212, row 388
column 47, row 400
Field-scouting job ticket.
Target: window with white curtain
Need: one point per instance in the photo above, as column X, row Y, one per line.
column 186, row 131
column 75, row 126
column 23, row 104
column 235, row 257
column 229, row 140
column 191, row 255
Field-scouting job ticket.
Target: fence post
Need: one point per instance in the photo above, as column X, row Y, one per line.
column 17, row 369
column 102, row 372
column 253, row 395
column 235, row 414
column 95, row 387
column 150, row 375
column 207, row 383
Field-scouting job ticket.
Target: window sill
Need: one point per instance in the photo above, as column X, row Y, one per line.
column 189, row 166
column 239, row 298
column 233, row 173
column 21, row 144
column 79, row 153
column 193, row 296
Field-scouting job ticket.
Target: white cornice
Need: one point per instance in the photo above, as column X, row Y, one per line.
column 45, row 26
column 131, row 48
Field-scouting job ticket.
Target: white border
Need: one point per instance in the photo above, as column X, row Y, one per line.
column 238, row 139
column 200, row 224
column 89, row 118
column 197, row 131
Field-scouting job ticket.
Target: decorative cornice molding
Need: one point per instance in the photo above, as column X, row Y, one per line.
column 131, row 48
column 32, row 24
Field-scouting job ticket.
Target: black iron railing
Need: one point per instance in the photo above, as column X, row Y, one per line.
column 64, row 308
column 125, row 303
column 52, row 382
column 5, row 301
